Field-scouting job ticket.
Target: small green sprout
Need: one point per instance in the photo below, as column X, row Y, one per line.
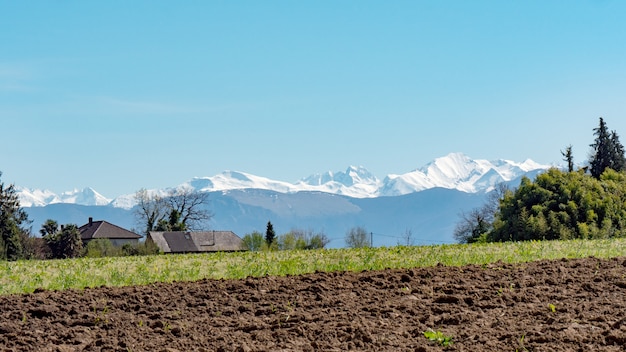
column 552, row 307
column 439, row 337
column 101, row 316
column 521, row 348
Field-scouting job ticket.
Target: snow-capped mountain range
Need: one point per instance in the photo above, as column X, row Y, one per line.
column 39, row 198
column 453, row 171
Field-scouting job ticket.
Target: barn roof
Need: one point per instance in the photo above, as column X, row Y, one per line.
column 203, row 241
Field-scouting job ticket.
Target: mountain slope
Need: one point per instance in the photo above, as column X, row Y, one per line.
column 453, row 171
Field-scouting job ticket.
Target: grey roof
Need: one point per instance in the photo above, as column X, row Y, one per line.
column 103, row 229
column 204, row 241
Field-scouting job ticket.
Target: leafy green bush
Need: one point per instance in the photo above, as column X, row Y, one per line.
column 147, row 247
column 563, row 205
column 254, row 241
column 101, row 247
column 129, row 249
column 302, row 239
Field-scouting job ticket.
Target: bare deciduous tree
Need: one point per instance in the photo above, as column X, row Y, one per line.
column 358, row 237
column 480, row 220
column 150, row 209
column 188, row 205
column 407, row 238
column 191, row 207
column 472, row 225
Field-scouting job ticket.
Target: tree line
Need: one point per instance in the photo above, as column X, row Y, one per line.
column 299, row 239
column 559, row 204
column 294, row 239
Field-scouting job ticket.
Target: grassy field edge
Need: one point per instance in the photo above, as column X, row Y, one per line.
column 27, row 276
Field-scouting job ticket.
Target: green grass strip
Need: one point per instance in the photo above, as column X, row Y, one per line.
column 26, row 276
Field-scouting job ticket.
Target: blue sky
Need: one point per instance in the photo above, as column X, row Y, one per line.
column 120, row 95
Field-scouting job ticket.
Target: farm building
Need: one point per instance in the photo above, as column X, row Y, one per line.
column 203, row 241
column 101, row 229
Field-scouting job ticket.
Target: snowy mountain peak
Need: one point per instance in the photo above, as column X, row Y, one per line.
column 37, row 198
column 353, row 175
column 458, row 171
column 360, row 175
column 452, row 166
column 86, row 196
column 530, row 165
column 228, row 180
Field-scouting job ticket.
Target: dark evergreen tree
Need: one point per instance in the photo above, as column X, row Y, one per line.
column 12, row 218
column 569, row 158
column 65, row 243
column 618, row 158
column 50, row 227
column 270, row 235
column 601, row 157
column 607, row 151
column 70, row 242
column 175, row 222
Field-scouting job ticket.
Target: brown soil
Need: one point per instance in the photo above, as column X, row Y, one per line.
column 566, row 305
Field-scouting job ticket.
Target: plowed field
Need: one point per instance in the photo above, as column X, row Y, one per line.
column 565, row 305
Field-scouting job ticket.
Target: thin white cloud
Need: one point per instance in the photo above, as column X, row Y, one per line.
column 72, row 105
column 149, row 107
column 15, row 78
column 8, row 71
column 8, row 87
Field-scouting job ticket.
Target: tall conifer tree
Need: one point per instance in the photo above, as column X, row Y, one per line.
column 12, row 218
column 607, row 151
column 619, row 160
column 270, row 235
column 569, row 158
